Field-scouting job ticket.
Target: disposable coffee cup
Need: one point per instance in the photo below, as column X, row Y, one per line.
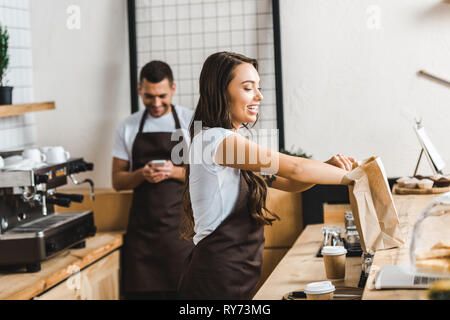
column 334, row 258
column 322, row 290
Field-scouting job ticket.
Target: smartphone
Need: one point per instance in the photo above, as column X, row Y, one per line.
column 158, row 163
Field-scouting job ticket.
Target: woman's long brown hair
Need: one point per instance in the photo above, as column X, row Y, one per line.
column 213, row 110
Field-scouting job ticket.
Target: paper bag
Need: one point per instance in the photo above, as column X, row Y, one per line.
column 373, row 207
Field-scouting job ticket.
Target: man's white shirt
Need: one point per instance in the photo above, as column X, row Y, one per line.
column 127, row 130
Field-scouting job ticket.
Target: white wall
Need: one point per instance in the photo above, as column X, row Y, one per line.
column 86, row 72
column 185, row 32
column 18, row 132
column 351, row 87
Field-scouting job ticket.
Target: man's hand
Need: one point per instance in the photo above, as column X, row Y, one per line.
column 152, row 174
column 342, row 162
column 155, row 174
column 166, row 170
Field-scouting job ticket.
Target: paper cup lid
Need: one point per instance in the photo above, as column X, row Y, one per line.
column 319, row 287
column 333, row 250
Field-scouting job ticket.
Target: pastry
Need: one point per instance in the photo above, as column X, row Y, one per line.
column 434, row 253
column 407, row 182
column 442, row 182
column 441, row 266
column 401, row 181
column 442, row 244
column 425, row 184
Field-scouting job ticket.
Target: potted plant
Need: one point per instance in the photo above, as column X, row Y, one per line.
column 298, row 153
column 5, row 91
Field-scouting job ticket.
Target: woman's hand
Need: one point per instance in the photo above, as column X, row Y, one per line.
column 342, row 162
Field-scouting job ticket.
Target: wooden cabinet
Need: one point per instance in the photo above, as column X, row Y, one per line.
column 271, row 258
column 99, row 281
column 288, row 206
column 85, row 273
column 282, row 234
column 335, row 213
column 111, row 210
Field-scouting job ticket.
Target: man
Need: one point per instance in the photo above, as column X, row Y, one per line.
column 153, row 252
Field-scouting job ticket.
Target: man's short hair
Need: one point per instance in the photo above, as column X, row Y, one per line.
column 156, row 71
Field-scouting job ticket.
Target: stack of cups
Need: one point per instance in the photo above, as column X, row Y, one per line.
column 322, row 290
column 334, row 259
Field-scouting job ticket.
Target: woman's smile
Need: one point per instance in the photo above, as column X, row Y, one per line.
column 253, row 109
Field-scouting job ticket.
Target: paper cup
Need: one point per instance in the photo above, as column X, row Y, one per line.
column 334, row 258
column 322, row 290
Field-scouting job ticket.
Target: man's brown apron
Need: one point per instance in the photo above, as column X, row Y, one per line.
column 226, row 264
column 153, row 251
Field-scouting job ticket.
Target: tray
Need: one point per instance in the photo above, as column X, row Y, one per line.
column 398, row 190
column 341, row 293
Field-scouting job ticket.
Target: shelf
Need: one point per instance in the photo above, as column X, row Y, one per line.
column 18, row 109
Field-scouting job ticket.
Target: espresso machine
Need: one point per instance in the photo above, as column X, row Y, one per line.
column 30, row 230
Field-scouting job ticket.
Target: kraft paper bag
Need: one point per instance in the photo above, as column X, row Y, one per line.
column 373, row 207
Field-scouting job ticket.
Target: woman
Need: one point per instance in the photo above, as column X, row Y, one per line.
column 224, row 197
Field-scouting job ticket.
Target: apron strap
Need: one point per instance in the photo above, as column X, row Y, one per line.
column 174, row 114
column 141, row 125
column 175, row 117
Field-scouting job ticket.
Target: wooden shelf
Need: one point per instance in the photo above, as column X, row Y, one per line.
column 18, row 109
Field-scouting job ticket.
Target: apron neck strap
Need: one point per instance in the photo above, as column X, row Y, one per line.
column 175, row 117
column 174, row 114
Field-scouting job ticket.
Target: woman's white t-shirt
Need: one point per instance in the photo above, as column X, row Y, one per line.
column 213, row 188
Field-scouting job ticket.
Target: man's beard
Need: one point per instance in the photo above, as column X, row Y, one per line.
column 153, row 112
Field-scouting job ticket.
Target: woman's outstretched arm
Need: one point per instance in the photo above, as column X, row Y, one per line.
column 238, row 152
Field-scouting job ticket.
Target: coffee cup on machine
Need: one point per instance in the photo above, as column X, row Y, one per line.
column 334, row 258
column 2, row 163
column 35, row 155
column 56, row 155
column 44, row 149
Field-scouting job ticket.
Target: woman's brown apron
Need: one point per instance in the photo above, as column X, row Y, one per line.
column 153, row 251
column 226, row 264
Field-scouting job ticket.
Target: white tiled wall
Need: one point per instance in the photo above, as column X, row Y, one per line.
column 19, row 131
column 185, row 32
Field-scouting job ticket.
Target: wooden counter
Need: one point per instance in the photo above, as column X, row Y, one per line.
column 100, row 251
column 301, row 266
column 408, row 207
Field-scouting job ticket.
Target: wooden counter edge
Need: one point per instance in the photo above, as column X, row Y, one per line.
column 44, row 284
